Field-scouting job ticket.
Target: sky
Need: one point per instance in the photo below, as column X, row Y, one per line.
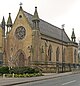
column 56, row 12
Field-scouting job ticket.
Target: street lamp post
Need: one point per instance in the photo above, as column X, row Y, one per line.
column 62, row 44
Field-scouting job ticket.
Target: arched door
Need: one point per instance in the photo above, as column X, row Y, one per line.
column 20, row 61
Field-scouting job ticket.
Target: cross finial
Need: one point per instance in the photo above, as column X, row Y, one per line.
column 21, row 4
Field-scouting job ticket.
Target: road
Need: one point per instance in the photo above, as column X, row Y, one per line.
column 71, row 80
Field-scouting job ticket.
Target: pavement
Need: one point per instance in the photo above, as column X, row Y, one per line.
column 15, row 81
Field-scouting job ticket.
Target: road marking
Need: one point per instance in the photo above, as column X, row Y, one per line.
column 69, row 82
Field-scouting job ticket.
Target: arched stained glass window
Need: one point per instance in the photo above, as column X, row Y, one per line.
column 75, row 55
column 64, row 55
column 57, row 54
column 50, row 52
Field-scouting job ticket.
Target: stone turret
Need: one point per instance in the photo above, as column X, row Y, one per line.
column 3, row 26
column 35, row 19
column 73, row 36
column 9, row 23
column 35, row 36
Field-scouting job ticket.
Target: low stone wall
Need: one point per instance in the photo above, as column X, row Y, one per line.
column 54, row 67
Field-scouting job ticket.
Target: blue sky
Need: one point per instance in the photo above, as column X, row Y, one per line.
column 56, row 12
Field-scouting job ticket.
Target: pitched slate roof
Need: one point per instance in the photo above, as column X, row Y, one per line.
column 49, row 29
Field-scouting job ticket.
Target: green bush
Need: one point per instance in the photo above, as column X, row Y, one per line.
column 4, row 70
column 23, row 75
column 19, row 70
column 24, row 70
column 8, row 75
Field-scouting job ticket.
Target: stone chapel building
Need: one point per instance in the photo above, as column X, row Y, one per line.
column 31, row 41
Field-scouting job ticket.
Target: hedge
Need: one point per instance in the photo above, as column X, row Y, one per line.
column 4, row 70
column 24, row 70
column 19, row 70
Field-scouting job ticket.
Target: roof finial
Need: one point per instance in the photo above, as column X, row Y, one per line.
column 63, row 25
column 9, row 21
column 21, row 4
column 73, row 35
column 72, row 29
column 35, row 16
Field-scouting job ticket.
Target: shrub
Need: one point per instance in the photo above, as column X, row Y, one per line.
column 4, row 70
column 19, row 70
column 23, row 75
column 24, row 70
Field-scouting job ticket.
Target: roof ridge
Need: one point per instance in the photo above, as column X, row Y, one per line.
column 45, row 21
column 48, row 28
column 66, row 35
